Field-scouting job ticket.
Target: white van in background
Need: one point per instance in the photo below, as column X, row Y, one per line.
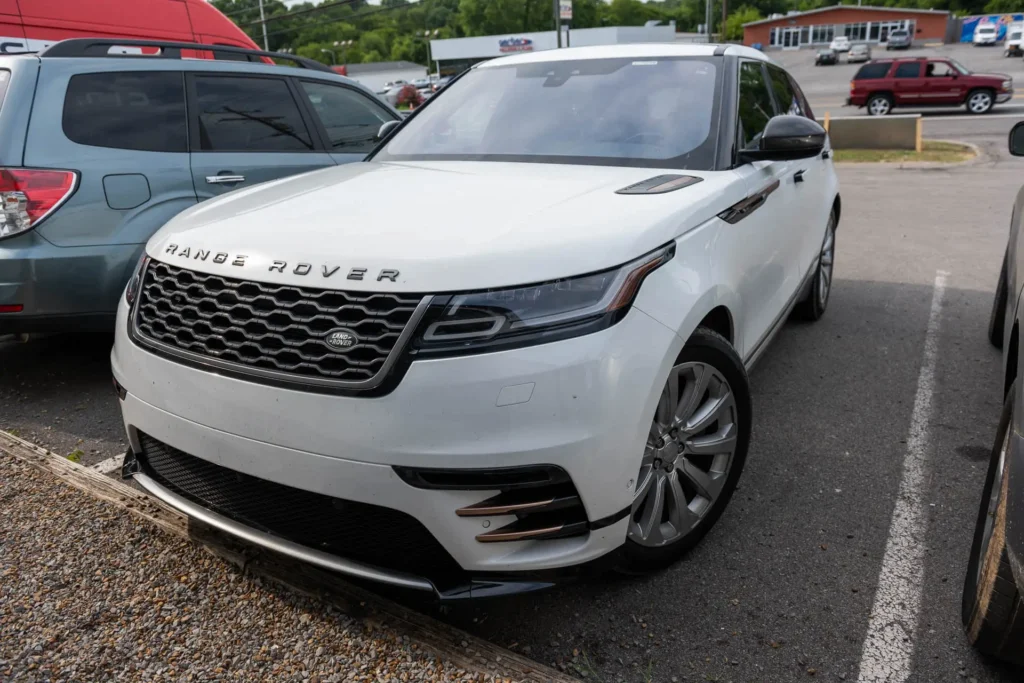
column 1012, row 44
column 985, row 34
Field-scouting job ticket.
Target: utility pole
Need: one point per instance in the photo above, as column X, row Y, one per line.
column 707, row 19
column 263, row 20
column 725, row 8
column 558, row 22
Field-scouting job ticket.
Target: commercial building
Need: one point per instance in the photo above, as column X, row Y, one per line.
column 861, row 24
column 454, row 55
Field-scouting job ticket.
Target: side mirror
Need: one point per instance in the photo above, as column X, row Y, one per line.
column 788, row 137
column 386, row 129
column 1017, row 140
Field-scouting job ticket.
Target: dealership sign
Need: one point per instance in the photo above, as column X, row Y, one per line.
column 565, row 10
column 515, row 45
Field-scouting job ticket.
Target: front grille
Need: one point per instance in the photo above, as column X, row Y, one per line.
column 272, row 328
column 371, row 534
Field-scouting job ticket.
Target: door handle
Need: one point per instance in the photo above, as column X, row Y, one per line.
column 224, row 179
column 798, row 177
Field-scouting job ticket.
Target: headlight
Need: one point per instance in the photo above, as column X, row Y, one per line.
column 497, row 319
column 131, row 292
column 1007, row 85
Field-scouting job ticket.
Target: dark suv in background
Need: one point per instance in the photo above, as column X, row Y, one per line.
column 99, row 150
column 926, row 82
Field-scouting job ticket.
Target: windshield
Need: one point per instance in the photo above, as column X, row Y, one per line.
column 1015, row 35
column 898, row 34
column 986, row 29
column 656, row 112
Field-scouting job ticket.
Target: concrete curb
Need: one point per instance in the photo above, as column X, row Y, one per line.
column 458, row 647
column 979, row 158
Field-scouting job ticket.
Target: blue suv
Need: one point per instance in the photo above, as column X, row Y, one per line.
column 105, row 140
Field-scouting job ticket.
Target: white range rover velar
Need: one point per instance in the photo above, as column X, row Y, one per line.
column 509, row 347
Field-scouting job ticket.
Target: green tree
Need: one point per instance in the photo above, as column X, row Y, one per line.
column 734, row 22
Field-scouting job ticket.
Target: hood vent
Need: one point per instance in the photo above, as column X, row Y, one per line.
column 660, row 184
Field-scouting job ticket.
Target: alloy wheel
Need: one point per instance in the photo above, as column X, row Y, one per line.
column 980, row 102
column 827, row 258
column 688, row 456
column 879, row 106
column 993, row 504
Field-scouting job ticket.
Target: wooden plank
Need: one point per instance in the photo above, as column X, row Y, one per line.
column 436, row 637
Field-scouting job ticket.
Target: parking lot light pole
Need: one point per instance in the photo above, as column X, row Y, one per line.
column 334, row 57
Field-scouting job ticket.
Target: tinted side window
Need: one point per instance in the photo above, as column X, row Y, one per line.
column 785, row 96
column 249, row 115
column 140, row 110
column 875, row 70
column 351, row 119
column 755, row 104
column 908, row 70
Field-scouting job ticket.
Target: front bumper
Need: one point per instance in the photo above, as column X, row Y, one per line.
column 61, row 287
column 1004, row 97
column 582, row 405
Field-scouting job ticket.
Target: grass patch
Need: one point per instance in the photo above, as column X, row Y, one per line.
column 931, row 150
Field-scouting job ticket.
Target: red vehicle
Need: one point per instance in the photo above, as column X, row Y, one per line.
column 34, row 25
column 926, row 82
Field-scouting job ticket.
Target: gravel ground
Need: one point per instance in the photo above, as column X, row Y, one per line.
column 87, row 593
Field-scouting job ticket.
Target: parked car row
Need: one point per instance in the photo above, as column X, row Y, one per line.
column 425, row 403
column 859, row 52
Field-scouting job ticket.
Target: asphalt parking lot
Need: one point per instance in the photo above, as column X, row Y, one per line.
column 784, row 587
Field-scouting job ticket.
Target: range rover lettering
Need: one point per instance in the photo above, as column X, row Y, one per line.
column 547, row 376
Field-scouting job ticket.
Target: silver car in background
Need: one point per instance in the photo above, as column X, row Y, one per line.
column 858, row 53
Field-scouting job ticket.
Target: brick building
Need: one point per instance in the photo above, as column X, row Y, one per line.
column 861, row 24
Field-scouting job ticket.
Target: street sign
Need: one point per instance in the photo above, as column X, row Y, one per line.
column 565, row 10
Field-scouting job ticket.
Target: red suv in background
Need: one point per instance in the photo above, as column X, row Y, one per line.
column 926, row 82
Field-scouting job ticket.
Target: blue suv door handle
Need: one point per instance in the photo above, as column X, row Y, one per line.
column 224, row 179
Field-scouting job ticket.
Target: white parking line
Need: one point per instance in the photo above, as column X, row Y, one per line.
column 109, row 465
column 888, row 651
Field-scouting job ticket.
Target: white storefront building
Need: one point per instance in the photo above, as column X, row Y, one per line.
column 454, row 55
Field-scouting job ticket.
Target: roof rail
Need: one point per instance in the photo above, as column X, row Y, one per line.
column 100, row 47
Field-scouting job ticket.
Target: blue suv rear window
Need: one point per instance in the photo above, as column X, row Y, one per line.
column 139, row 110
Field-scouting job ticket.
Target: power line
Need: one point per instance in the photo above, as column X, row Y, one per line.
column 313, row 24
column 249, row 10
column 318, row 8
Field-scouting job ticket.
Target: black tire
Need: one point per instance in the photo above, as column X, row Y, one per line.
column 880, row 96
column 993, row 609
column 709, row 347
column 997, row 319
column 812, row 307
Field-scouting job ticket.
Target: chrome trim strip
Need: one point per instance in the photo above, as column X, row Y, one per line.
column 762, row 344
column 280, row 545
column 276, row 375
column 499, row 536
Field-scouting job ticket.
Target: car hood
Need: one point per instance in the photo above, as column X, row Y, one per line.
column 443, row 226
column 994, row 77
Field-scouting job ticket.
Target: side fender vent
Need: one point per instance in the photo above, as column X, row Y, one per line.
column 660, row 184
